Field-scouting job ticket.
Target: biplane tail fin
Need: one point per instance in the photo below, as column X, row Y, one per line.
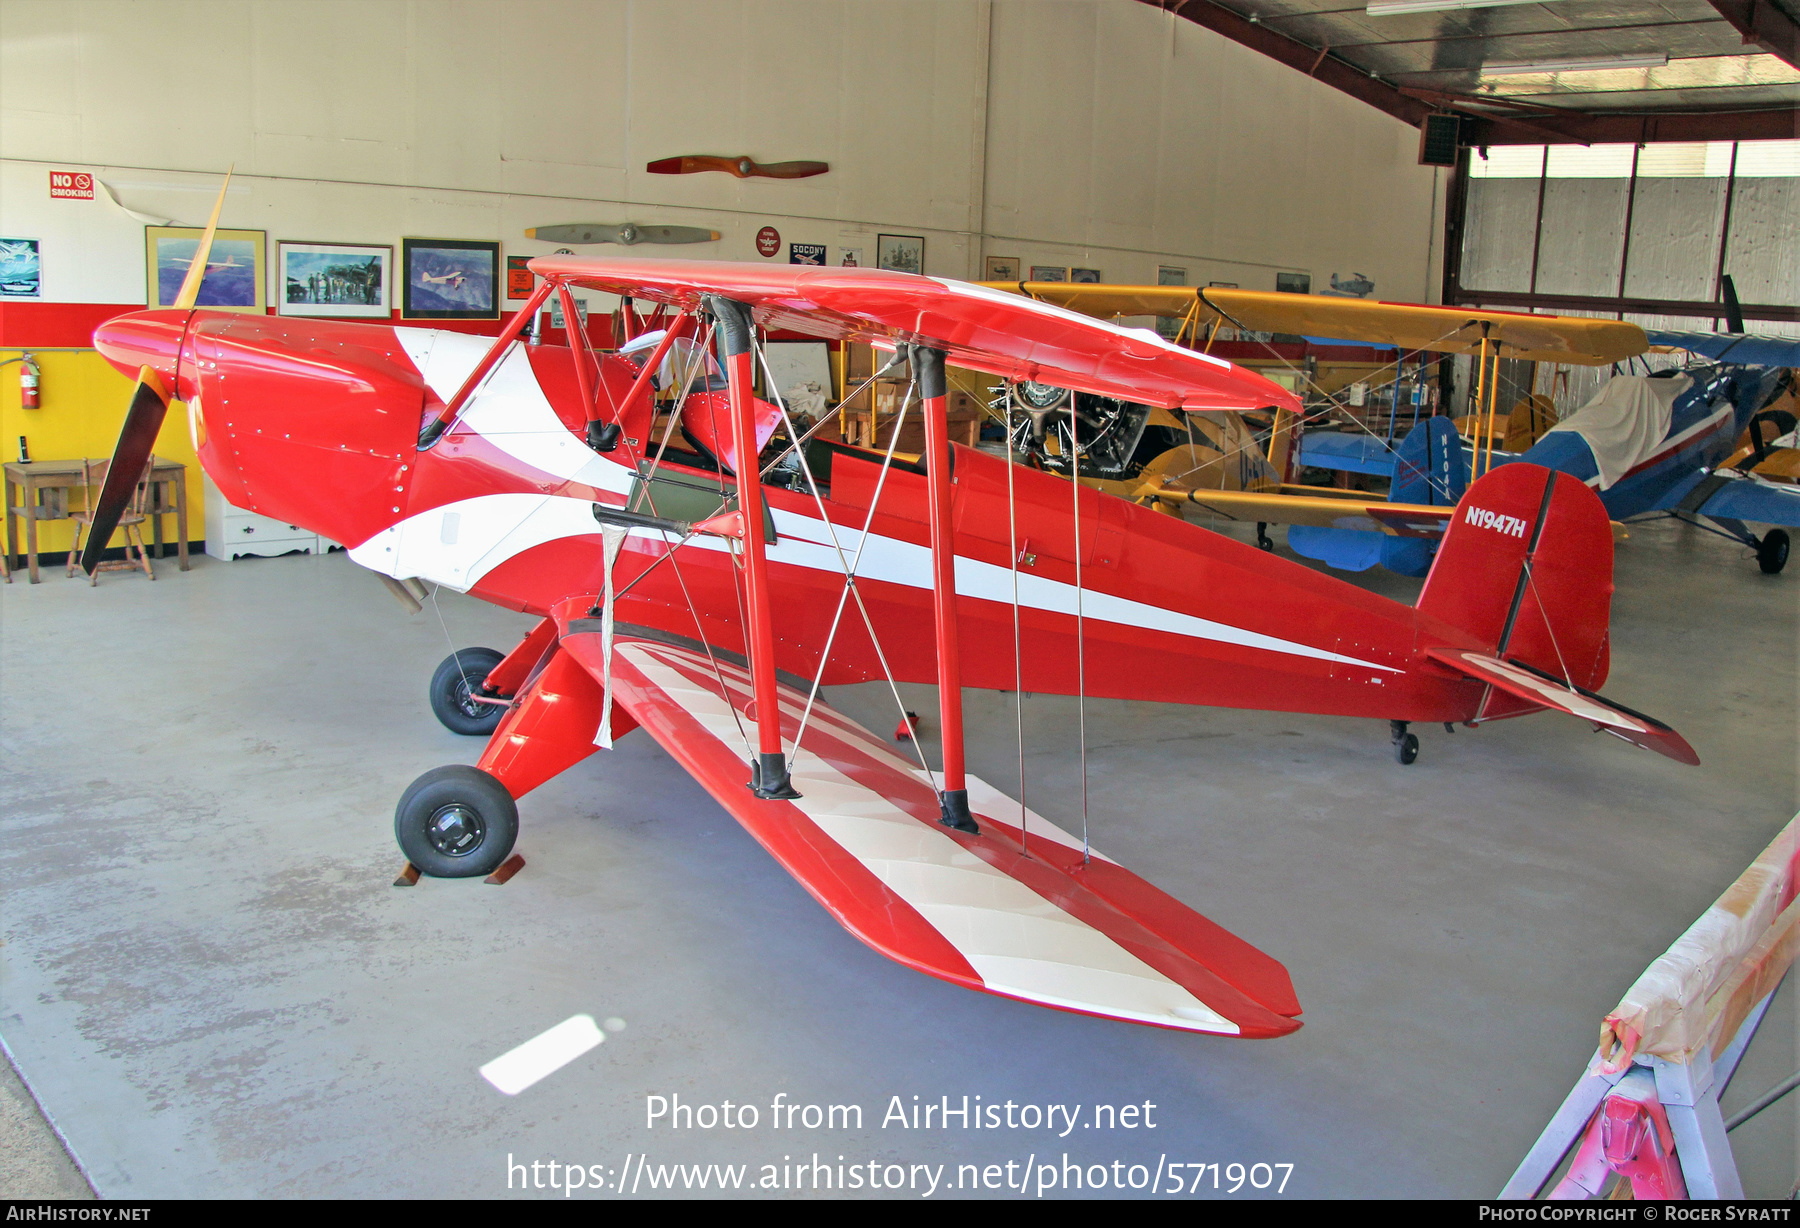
column 1526, row 568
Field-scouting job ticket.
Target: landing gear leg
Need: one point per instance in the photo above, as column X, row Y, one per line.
column 1406, row 745
column 1263, row 540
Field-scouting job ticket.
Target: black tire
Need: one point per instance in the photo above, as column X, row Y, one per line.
column 460, row 676
column 1772, row 552
column 1407, row 748
column 456, row 822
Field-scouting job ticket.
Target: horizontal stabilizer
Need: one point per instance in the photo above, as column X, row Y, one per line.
column 1534, row 686
column 1019, row 914
column 1371, row 513
column 1734, row 347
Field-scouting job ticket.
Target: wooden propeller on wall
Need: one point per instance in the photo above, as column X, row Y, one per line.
column 742, row 167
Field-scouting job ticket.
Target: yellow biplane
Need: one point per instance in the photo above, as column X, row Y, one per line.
column 1426, row 484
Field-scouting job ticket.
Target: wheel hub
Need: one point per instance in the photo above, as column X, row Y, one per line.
column 455, row 830
column 466, row 701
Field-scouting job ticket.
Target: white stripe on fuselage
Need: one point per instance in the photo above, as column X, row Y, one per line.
column 458, row 543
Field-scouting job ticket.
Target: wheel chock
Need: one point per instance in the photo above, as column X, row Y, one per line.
column 409, row 874
column 511, row 866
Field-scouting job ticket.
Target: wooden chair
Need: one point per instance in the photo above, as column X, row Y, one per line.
column 93, row 478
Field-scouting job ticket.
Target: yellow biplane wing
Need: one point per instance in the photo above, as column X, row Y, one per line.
column 1320, row 506
column 1411, row 326
column 1309, row 505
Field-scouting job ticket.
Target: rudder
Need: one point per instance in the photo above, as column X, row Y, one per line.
column 1553, row 614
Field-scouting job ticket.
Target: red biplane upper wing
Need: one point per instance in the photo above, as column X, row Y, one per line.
column 1013, row 914
column 978, row 327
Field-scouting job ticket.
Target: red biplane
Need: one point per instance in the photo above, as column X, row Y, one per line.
column 704, row 589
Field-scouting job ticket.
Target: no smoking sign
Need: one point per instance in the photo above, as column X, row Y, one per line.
column 71, row 185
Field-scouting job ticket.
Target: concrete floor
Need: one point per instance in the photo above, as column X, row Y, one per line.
column 209, row 983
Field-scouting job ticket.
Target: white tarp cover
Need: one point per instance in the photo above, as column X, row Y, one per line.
column 1665, row 1010
column 1626, row 422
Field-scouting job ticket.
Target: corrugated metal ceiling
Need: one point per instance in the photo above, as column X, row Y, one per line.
column 1709, row 68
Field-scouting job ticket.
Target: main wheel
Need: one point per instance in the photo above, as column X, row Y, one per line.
column 1772, row 551
column 453, row 688
column 1406, row 749
column 456, row 822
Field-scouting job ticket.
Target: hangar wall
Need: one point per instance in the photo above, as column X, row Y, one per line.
column 1090, row 133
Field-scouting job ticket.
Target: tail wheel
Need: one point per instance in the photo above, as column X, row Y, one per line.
column 1406, row 748
column 1772, row 551
column 455, row 686
column 456, row 822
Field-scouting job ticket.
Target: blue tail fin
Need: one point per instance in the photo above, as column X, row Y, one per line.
column 1429, row 465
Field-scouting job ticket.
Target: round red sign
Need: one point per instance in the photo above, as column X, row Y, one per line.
column 768, row 241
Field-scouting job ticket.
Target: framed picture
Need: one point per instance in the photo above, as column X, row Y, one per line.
column 520, row 280
column 901, row 253
column 850, row 257
column 1293, row 283
column 334, row 279
column 556, row 311
column 234, row 279
column 1091, row 276
column 1223, row 285
column 1000, row 268
column 806, row 253
column 1049, row 272
column 451, row 279
column 1168, row 275
column 20, row 273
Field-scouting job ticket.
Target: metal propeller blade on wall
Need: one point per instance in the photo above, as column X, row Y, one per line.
column 149, row 405
column 628, row 233
column 742, row 167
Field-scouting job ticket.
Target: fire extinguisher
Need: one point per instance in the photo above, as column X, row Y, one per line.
column 28, row 383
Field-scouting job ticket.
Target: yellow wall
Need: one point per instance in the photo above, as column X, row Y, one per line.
column 82, row 403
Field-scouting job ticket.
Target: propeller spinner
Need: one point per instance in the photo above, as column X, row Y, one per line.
column 149, row 405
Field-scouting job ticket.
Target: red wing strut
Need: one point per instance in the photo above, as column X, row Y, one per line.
column 977, row 910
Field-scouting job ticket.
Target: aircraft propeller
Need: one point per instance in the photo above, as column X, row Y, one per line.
column 627, row 233
column 742, row 167
column 149, row 405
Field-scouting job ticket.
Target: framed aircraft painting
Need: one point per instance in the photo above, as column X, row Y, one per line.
column 1000, row 268
column 901, row 253
column 450, row 279
column 343, row 280
column 233, row 281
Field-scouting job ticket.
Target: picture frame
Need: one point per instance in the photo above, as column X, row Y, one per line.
column 900, row 253
column 21, row 268
column 1000, row 268
column 340, row 280
column 235, row 279
column 850, row 257
column 1087, row 276
column 1049, row 272
column 1169, row 275
column 450, row 279
column 1293, row 283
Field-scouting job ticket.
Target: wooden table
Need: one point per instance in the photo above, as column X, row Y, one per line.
column 32, row 481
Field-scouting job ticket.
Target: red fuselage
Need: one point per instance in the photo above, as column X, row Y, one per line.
column 317, row 422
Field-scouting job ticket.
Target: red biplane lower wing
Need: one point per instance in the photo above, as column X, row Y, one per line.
column 1535, row 686
column 1022, row 917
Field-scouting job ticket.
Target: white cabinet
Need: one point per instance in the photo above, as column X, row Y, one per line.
column 232, row 532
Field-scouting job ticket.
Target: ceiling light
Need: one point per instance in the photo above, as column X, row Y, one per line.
column 1658, row 59
column 1394, row 8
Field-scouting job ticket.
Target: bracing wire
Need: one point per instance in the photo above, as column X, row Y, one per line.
column 1012, row 539
column 849, row 565
column 1080, row 645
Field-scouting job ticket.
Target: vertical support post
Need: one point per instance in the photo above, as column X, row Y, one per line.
column 769, row 775
column 1480, row 402
column 1691, row 1099
column 928, row 369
